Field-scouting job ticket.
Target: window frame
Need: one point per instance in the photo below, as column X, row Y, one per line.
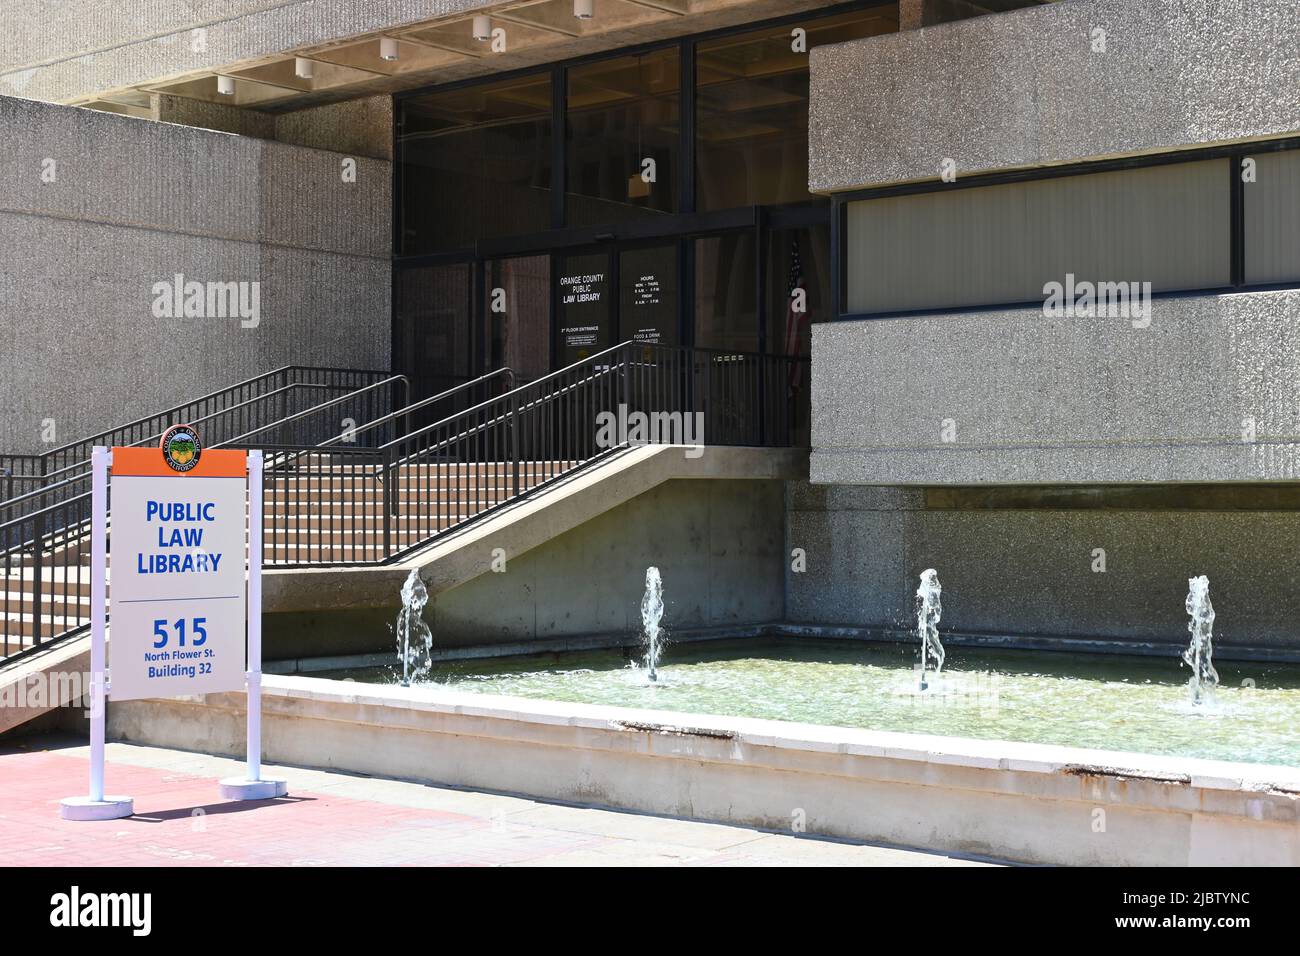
column 1235, row 153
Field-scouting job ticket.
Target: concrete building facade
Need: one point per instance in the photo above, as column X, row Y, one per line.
column 678, row 172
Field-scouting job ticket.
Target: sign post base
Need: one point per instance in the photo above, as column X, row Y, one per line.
column 84, row 808
column 239, row 788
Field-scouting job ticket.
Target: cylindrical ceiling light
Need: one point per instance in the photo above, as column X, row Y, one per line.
column 584, row 9
column 482, row 28
column 303, row 68
column 387, row 48
column 226, row 85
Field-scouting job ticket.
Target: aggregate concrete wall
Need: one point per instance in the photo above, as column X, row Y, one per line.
column 1023, row 572
column 362, row 127
column 135, row 202
column 1005, row 395
column 1009, row 396
column 718, row 543
column 1027, row 88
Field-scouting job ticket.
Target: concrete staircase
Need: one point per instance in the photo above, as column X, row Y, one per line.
column 335, row 514
column 64, row 603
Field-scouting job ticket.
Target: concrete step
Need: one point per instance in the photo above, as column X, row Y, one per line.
column 350, row 487
column 24, row 625
column 404, row 496
column 64, row 661
column 399, row 534
column 13, row 643
column 327, row 511
column 24, row 602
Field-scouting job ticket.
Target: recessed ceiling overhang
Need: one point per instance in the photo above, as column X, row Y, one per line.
column 433, row 51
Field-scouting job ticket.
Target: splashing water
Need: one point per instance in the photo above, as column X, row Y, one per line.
column 414, row 639
column 928, row 611
column 652, row 612
column 1200, row 651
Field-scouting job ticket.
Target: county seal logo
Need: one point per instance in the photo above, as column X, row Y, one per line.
column 180, row 447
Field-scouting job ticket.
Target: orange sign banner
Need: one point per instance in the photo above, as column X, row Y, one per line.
column 149, row 463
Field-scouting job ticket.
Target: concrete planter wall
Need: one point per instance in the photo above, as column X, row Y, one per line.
column 1025, row 802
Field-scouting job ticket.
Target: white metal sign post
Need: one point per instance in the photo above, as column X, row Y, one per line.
column 186, row 619
column 253, row 786
column 97, row 806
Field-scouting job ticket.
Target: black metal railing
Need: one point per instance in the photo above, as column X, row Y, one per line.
column 44, row 529
column 397, row 480
column 389, row 498
column 225, row 412
column 45, row 583
column 286, row 403
column 327, row 500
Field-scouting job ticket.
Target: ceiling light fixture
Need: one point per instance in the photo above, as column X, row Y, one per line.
column 482, row 28
column 226, row 85
column 584, row 9
column 387, row 48
column 303, row 68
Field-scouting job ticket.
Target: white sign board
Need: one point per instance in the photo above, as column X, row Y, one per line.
column 177, row 574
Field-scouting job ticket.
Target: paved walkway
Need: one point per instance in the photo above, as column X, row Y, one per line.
column 331, row 819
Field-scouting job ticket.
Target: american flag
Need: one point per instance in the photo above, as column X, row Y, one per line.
column 795, row 320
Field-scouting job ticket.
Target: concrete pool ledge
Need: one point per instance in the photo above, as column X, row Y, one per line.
column 1034, row 803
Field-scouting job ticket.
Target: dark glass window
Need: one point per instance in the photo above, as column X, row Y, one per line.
column 798, row 271
column 432, row 327
column 1165, row 224
column 751, row 113
column 1272, row 202
column 798, row 275
column 475, row 162
column 725, row 313
column 518, row 315
column 623, row 138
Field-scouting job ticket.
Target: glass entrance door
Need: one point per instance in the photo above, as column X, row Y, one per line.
column 615, row 294
column 517, row 315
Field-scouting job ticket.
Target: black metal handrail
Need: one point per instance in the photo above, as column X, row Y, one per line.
column 407, row 411
column 285, row 457
column 324, row 407
column 234, row 407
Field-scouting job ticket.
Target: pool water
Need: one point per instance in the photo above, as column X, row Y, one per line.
column 1110, row 702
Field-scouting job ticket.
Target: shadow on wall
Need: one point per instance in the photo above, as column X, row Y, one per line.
column 1109, row 562
column 718, row 543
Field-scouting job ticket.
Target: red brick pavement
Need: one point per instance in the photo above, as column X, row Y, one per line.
column 180, row 821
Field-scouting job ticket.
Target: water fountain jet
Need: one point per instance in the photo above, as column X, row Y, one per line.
column 414, row 639
column 1201, row 649
column 928, row 611
column 652, row 612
